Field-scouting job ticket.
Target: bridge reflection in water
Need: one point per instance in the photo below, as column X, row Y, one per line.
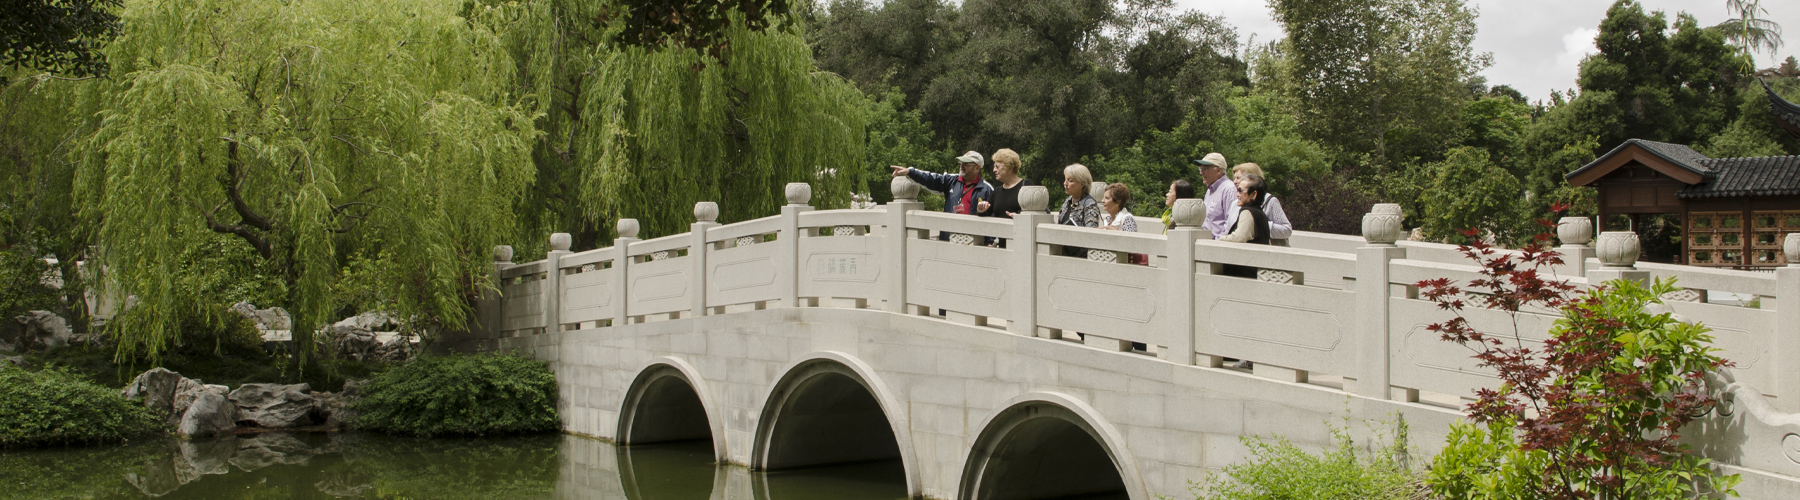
column 358, row 465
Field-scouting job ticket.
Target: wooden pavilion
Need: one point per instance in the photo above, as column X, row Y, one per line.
column 1735, row 212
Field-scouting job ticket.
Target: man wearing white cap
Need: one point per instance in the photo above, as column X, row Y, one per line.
column 1220, row 197
column 962, row 193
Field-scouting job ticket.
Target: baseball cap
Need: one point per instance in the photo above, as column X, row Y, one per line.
column 972, row 157
column 1212, row 160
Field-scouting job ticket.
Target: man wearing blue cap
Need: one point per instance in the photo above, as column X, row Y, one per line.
column 1220, row 197
column 962, row 193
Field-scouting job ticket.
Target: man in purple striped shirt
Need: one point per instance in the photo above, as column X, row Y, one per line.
column 1220, row 197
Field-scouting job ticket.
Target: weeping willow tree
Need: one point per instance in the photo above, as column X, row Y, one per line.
column 314, row 132
column 655, row 105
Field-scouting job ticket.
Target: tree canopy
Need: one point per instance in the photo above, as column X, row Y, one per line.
column 314, row 132
column 644, row 120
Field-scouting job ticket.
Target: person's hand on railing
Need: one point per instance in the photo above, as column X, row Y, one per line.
column 900, row 171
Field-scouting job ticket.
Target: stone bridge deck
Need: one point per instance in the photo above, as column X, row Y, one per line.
column 812, row 337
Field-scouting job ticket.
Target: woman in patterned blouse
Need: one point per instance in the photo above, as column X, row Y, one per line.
column 1079, row 209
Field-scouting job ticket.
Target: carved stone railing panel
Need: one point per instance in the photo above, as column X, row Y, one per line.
column 1275, row 276
column 1107, row 256
column 1685, row 295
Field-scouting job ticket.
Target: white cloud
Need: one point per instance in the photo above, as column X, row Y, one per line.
column 1578, row 44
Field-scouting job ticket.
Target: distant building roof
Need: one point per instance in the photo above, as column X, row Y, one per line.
column 1705, row 177
column 1787, row 114
column 1672, row 155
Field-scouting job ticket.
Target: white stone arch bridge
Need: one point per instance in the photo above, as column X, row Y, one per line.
column 812, row 337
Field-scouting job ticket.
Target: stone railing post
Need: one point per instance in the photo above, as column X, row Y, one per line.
column 628, row 231
column 1189, row 214
column 798, row 195
column 552, row 294
column 1618, row 259
column 1374, row 293
column 706, row 214
column 1033, row 201
column 893, row 260
column 1575, row 233
column 1787, row 327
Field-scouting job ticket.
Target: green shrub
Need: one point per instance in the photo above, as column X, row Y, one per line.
column 1279, row 470
column 462, row 394
column 22, row 285
column 55, row 406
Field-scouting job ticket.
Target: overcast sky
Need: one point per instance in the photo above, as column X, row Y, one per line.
column 1536, row 44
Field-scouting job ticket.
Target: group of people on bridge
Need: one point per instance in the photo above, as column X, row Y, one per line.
column 1239, row 207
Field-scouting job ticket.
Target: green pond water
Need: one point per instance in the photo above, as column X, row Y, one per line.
column 356, row 465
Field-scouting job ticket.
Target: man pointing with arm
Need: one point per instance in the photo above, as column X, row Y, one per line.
column 962, row 193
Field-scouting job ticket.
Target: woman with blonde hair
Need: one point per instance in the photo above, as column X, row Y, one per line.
column 1280, row 229
column 1005, row 202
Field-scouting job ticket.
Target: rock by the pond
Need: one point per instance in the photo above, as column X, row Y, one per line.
column 186, row 390
column 360, row 338
column 352, row 341
column 274, row 405
column 333, row 409
column 208, row 413
column 12, row 360
column 156, row 390
column 273, row 318
column 374, row 321
column 41, row 329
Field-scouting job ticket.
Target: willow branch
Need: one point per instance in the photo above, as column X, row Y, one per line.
column 234, row 171
column 249, row 236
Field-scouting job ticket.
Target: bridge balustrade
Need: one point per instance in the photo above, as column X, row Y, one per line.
column 1328, row 307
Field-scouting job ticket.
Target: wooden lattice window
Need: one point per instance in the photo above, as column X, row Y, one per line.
column 1717, row 238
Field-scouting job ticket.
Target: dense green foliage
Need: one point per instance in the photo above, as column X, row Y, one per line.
column 22, row 286
column 646, row 115
column 309, row 131
column 1361, row 101
column 1054, row 80
column 59, row 36
column 54, row 406
column 461, row 395
column 1278, row 470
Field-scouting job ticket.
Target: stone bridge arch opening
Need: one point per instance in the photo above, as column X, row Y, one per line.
column 831, row 409
column 669, row 403
column 1048, row 446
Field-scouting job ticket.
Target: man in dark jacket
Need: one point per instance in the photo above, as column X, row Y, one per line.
column 962, row 193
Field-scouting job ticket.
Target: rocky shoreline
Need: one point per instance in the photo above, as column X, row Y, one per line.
column 194, row 408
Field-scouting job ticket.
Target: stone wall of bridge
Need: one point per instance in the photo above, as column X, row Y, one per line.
column 756, row 315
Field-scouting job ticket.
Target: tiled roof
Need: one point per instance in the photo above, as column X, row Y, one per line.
column 1738, row 177
column 1676, row 154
